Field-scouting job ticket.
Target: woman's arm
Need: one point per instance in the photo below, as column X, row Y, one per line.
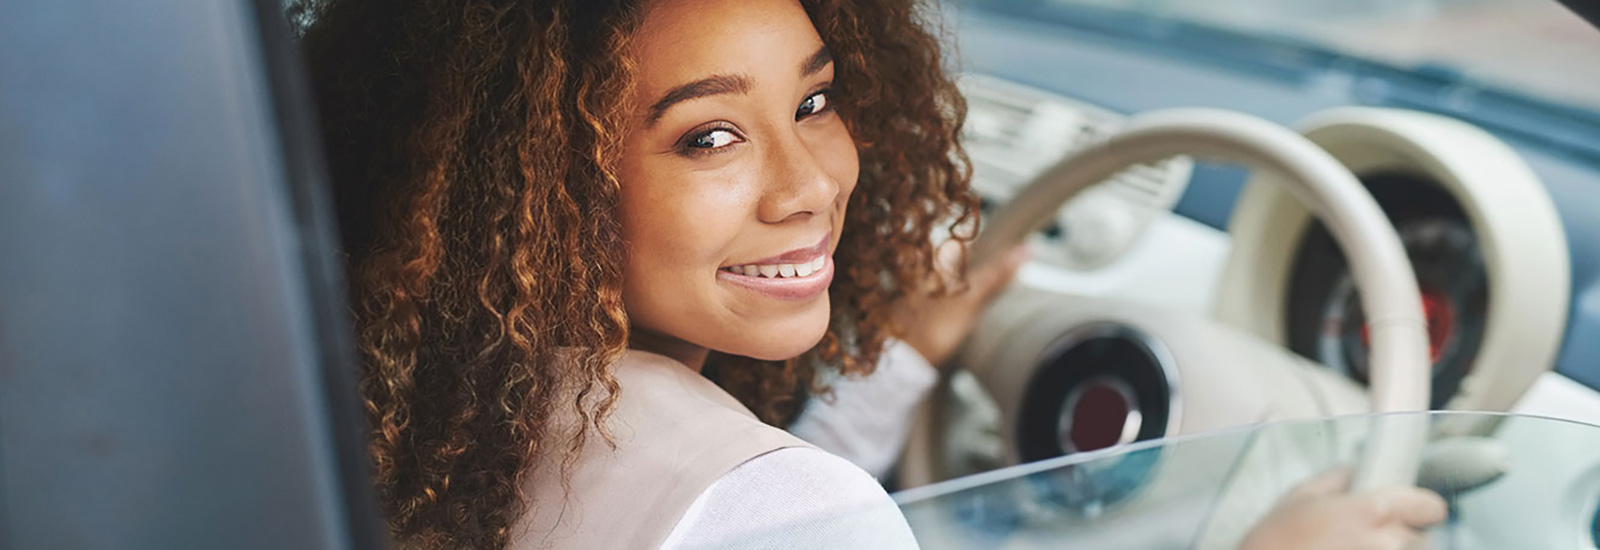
column 866, row 420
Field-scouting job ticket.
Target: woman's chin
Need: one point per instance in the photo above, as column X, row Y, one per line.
column 783, row 341
column 779, row 355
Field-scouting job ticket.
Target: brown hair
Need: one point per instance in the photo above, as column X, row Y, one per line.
column 473, row 145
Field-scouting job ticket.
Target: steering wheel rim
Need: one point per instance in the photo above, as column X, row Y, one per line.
column 1389, row 294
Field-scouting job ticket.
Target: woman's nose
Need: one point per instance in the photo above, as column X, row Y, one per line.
column 798, row 183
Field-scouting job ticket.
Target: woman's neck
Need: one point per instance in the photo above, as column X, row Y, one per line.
column 689, row 354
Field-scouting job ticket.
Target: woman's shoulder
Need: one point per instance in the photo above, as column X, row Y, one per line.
column 671, row 435
column 799, row 497
column 807, row 470
column 666, row 385
column 667, row 403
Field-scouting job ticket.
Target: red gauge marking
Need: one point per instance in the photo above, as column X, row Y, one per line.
column 1441, row 317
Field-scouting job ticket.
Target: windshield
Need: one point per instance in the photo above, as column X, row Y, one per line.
column 1512, row 482
column 1533, row 46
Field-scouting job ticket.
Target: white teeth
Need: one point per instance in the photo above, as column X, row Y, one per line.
column 780, row 270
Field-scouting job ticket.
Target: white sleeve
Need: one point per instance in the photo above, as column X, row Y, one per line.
column 868, row 419
column 793, row 498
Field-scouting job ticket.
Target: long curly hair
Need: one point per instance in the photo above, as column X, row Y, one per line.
column 473, row 146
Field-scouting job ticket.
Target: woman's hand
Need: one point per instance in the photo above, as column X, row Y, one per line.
column 1319, row 515
column 935, row 323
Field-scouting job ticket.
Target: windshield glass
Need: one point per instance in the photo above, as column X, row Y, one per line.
column 1511, row 481
column 1533, row 46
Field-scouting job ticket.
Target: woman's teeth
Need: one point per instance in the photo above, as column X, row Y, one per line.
column 779, row 270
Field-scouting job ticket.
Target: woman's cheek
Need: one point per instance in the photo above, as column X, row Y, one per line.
column 699, row 220
column 844, row 165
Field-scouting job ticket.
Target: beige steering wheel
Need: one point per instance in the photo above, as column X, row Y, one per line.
column 1401, row 367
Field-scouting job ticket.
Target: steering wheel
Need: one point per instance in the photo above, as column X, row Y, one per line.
column 1401, row 367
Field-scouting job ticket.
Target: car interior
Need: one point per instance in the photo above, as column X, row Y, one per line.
column 1236, row 233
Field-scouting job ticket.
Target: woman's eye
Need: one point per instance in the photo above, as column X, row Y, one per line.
column 712, row 139
column 816, row 103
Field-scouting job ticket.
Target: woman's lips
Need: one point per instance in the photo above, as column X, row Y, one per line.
column 795, row 256
column 791, row 288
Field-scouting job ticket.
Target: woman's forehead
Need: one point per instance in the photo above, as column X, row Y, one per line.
column 682, row 41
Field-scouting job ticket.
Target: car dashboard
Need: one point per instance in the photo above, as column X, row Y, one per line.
column 1115, row 63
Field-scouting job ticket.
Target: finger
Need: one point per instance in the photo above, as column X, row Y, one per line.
column 1395, row 537
column 947, row 260
column 1328, row 483
column 1421, row 542
column 1412, row 507
column 990, row 278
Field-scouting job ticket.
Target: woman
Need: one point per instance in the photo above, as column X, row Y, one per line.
column 560, row 214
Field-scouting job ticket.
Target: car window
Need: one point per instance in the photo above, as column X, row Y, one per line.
column 1534, row 46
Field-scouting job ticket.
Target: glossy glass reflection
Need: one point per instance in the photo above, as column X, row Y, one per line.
column 1512, row 482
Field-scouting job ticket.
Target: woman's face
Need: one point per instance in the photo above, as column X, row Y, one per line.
column 735, row 174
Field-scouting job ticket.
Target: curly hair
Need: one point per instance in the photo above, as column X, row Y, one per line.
column 473, row 145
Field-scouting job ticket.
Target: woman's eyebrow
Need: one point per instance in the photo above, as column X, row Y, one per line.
column 727, row 84
column 816, row 62
column 713, row 85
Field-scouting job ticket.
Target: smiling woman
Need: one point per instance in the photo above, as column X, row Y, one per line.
column 556, row 212
column 738, row 162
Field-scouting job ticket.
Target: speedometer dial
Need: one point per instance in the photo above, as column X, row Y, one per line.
column 1325, row 317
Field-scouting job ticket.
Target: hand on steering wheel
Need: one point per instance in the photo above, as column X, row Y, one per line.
column 937, row 317
column 1320, row 515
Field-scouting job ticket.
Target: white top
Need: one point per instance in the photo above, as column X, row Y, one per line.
column 797, row 497
column 807, row 498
